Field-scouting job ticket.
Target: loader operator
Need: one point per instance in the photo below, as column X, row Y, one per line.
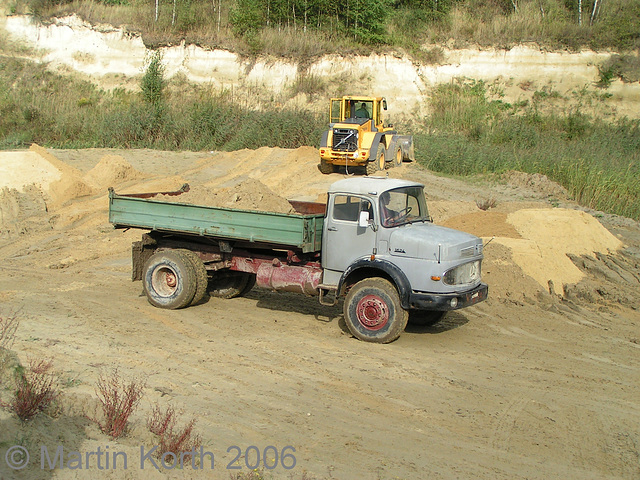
column 362, row 112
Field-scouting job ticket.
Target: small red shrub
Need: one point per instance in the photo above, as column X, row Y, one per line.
column 119, row 400
column 36, row 389
column 163, row 425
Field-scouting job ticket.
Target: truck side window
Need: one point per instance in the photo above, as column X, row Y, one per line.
column 348, row 207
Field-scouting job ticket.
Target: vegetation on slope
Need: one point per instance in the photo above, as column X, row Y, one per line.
column 306, row 28
column 39, row 106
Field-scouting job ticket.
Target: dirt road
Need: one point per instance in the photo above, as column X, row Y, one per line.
column 525, row 385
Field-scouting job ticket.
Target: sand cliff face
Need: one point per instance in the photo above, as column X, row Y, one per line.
column 107, row 54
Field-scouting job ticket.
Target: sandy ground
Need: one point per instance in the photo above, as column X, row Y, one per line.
column 540, row 381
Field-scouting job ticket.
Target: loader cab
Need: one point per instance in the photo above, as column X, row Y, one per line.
column 358, row 110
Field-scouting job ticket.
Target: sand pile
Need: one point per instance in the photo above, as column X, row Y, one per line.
column 22, row 212
column 293, row 173
column 535, row 182
column 19, row 169
column 249, row 194
column 69, row 184
column 110, row 171
column 539, row 240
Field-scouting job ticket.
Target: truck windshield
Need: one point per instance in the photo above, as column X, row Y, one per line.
column 403, row 205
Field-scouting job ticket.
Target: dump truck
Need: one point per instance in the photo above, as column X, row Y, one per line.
column 372, row 244
column 358, row 137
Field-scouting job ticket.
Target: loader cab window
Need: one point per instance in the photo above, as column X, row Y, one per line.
column 335, row 110
column 361, row 110
column 348, row 207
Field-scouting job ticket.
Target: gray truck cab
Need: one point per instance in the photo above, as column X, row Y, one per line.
column 379, row 227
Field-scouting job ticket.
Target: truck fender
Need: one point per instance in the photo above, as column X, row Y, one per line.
column 366, row 268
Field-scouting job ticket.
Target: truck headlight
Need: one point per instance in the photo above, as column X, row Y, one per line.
column 466, row 273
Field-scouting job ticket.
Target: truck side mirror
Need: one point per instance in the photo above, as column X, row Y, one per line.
column 384, row 103
column 363, row 221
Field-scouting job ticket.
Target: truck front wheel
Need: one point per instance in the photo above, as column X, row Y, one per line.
column 372, row 311
column 169, row 280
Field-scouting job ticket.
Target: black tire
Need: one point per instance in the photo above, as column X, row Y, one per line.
column 397, row 158
column 251, row 282
column 379, row 164
column 169, row 280
column 228, row 284
column 425, row 318
column 202, row 278
column 326, row 167
column 372, row 311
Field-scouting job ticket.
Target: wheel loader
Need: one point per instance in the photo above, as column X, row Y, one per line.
column 358, row 138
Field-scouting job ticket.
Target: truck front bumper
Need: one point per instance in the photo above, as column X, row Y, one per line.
column 448, row 301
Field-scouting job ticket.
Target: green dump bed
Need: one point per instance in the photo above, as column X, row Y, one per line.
column 292, row 231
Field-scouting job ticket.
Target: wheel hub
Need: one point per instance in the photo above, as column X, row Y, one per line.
column 372, row 312
column 164, row 281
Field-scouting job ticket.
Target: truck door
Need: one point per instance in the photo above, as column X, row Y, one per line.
column 343, row 240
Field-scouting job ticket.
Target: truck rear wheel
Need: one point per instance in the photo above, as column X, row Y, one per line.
column 202, row 278
column 326, row 167
column 229, row 284
column 169, row 280
column 425, row 318
column 372, row 311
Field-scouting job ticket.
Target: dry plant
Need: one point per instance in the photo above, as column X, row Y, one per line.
column 36, row 389
column 486, row 203
column 119, row 400
column 172, row 440
column 8, row 327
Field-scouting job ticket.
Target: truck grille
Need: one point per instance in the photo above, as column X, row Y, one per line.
column 345, row 139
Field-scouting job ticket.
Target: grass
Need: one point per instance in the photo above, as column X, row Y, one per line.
column 42, row 107
column 596, row 161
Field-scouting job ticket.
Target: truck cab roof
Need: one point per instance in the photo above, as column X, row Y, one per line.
column 370, row 185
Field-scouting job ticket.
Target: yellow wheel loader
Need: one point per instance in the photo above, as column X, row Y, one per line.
column 358, row 137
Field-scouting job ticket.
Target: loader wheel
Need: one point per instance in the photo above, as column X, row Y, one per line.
column 228, row 284
column 169, row 280
column 397, row 159
column 379, row 163
column 326, row 167
column 372, row 311
column 425, row 318
column 380, row 157
column 202, row 278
